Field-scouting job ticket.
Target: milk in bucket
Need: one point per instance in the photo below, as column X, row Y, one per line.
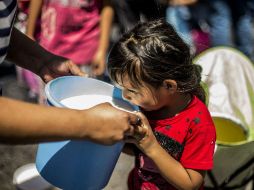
column 88, row 101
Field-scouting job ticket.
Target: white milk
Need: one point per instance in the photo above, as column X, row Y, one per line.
column 88, row 101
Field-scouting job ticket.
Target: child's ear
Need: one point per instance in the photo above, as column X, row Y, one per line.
column 170, row 85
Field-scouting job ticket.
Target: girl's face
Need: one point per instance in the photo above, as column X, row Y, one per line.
column 147, row 97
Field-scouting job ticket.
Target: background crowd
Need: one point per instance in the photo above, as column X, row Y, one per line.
column 84, row 30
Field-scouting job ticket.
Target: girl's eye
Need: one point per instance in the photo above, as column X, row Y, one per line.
column 132, row 91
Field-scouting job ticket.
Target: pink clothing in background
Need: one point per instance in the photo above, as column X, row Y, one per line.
column 26, row 77
column 70, row 28
column 201, row 40
column 29, row 79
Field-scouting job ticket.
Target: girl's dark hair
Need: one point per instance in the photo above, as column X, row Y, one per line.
column 151, row 53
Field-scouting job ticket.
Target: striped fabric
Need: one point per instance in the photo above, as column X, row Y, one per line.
column 7, row 13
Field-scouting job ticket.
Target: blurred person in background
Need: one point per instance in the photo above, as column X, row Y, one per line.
column 177, row 14
column 129, row 12
column 76, row 29
column 231, row 25
column 226, row 22
column 243, row 27
column 190, row 23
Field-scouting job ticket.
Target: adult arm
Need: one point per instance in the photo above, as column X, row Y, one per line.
column 22, row 123
column 30, row 55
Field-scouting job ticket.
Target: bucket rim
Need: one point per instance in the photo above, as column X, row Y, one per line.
column 56, row 103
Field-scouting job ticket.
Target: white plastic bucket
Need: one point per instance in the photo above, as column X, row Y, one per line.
column 27, row 177
column 79, row 165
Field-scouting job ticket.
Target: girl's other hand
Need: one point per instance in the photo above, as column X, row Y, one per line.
column 143, row 136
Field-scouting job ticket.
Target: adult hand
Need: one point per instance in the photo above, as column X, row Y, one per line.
column 58, row 66
column 98, row 63
column 108, row 124
column 30, row 55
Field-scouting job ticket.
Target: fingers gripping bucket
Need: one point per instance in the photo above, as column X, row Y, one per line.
column 79, row 165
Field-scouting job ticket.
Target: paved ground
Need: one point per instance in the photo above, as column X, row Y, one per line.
column 11, row 157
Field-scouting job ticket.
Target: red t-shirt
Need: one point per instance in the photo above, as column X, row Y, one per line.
column 189, row 137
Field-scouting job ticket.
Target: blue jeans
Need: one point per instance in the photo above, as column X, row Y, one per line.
column 220, row 23
column 226, row 21
column 225, row 29
column 178, row 17
column 219, row 20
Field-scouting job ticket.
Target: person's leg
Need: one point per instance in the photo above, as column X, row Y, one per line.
column 151, row 9
column 126, row 13
column 220, row 23
column 199, row 26
column 178, row 16
column 243, row 27
column 245, row 36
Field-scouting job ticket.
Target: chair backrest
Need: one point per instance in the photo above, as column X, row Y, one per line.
column 229, row 76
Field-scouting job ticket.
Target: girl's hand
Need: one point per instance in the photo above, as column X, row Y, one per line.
column 143, row 136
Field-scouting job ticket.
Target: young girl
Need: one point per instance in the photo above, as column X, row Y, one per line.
column 152, row 65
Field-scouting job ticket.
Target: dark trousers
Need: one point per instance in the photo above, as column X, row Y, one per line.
column 130, row 12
